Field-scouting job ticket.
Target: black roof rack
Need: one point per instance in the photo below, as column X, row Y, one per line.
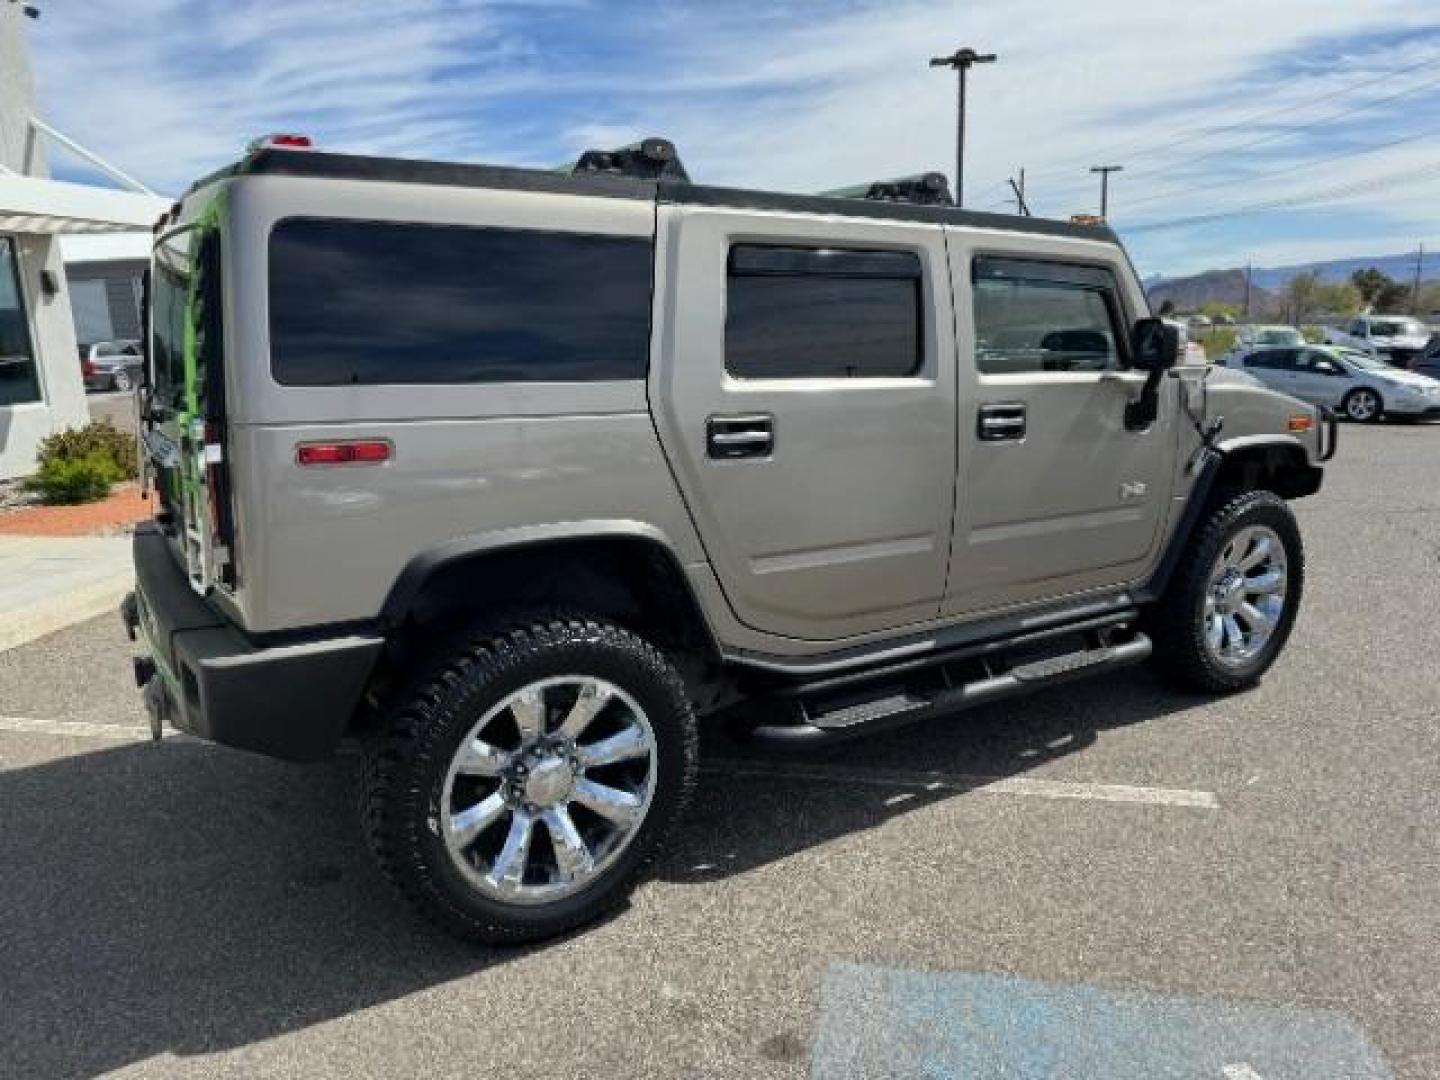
column 667, row 183
column 648, row 159
column 922, row 189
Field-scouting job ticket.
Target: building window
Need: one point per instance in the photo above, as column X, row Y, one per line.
column 823, row 313
column 18, row 382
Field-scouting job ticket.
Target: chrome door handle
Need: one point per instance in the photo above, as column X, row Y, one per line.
column 750, row 436
column 1001, row 422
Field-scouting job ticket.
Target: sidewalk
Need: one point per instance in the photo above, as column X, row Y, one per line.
column 48, row 583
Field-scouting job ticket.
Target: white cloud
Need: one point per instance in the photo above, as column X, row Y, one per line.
column 800, row 96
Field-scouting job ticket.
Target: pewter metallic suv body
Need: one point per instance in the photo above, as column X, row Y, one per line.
column 810, row 523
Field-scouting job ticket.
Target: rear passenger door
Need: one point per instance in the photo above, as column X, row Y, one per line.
column 1055, row 493
column 804, row 383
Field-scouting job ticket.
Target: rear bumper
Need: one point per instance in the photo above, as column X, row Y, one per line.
column 291, row 701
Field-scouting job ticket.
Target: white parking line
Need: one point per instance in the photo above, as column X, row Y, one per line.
column 908, row 782
column 983, row 785
column 76, row 729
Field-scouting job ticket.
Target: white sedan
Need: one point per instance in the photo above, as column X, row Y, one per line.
column 1361, row 387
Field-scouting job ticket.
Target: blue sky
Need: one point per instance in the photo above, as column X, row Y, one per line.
column 1212, row 108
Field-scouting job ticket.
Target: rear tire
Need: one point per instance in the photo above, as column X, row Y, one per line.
column 490, row 804
column 1228, row 611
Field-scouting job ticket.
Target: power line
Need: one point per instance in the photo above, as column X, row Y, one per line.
column 1289, row 168
column 1146, row 174
column 1341, row 192
column 1143, row 149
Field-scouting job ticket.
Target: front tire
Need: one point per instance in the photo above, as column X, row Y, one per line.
column 526, row 785
column 1228, row 611
column 1363, row 405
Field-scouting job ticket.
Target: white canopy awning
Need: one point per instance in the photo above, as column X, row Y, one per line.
column 32, row 205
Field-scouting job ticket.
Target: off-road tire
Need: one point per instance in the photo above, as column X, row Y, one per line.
column 405, row 768
column 1176, row 622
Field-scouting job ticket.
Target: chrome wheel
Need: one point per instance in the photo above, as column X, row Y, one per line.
column 548, row 789
column 1245, row 596
column 1362, row 405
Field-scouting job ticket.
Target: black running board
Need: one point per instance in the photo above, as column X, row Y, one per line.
column 905, row 706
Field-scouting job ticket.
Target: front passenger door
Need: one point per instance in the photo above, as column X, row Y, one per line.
column 1056, row 493
column 1318, row 379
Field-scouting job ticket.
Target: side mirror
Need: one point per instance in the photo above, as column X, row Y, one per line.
column 1154, row 345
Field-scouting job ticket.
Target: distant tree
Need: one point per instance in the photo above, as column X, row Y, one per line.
column 1167, row 309
column 1303, row 296
column 1380, row 290
column 1342, row 298
column 1395, row 297
column 1429, row 299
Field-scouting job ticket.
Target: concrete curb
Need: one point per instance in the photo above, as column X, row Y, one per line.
column 26, row 624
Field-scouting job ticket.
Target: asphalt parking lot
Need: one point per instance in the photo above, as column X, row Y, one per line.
column 1106, row 880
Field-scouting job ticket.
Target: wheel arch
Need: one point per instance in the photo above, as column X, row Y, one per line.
column 627, row 570
column 1277, row 463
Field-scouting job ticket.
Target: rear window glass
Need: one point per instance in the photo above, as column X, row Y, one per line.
column 365, row 302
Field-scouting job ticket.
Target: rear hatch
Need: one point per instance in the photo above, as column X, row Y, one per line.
column 184, row 433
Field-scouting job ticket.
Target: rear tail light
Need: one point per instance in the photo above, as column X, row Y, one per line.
column 87, row 368
column 348, row 452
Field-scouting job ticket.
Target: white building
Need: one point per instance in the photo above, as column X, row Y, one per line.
column 40, row 385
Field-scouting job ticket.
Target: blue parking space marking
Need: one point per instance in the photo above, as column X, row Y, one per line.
column 881, row 1022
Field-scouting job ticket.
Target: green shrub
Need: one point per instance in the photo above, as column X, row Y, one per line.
column 101, row 439
column 76, row 480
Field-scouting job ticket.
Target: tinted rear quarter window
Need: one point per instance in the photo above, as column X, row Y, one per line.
column 368, row 302
column 812, row 313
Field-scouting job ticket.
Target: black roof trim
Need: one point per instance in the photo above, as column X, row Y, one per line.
column 325, row 165
column 741, row 199
column 329, row 166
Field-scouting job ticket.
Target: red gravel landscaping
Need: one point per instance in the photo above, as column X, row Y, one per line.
column 123, row 508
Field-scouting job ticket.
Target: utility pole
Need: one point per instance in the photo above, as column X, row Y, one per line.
column 1019, row 189
column 1105, row 171
column 1249, row 278
column 961, row 61
column 1415, row 293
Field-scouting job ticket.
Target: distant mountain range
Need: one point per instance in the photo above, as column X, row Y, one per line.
column 1268, row 282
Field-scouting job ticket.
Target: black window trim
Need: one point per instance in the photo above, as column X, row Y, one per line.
column 1090, row 274
column 809, row 257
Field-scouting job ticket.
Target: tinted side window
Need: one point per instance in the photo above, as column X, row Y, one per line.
column 807, row 313
column 1032, row 316
column 379, row 302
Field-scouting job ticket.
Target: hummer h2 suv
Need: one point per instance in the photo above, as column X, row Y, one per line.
column 512, row 476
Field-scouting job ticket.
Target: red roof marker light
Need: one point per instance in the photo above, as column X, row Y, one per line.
column 282, row 140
